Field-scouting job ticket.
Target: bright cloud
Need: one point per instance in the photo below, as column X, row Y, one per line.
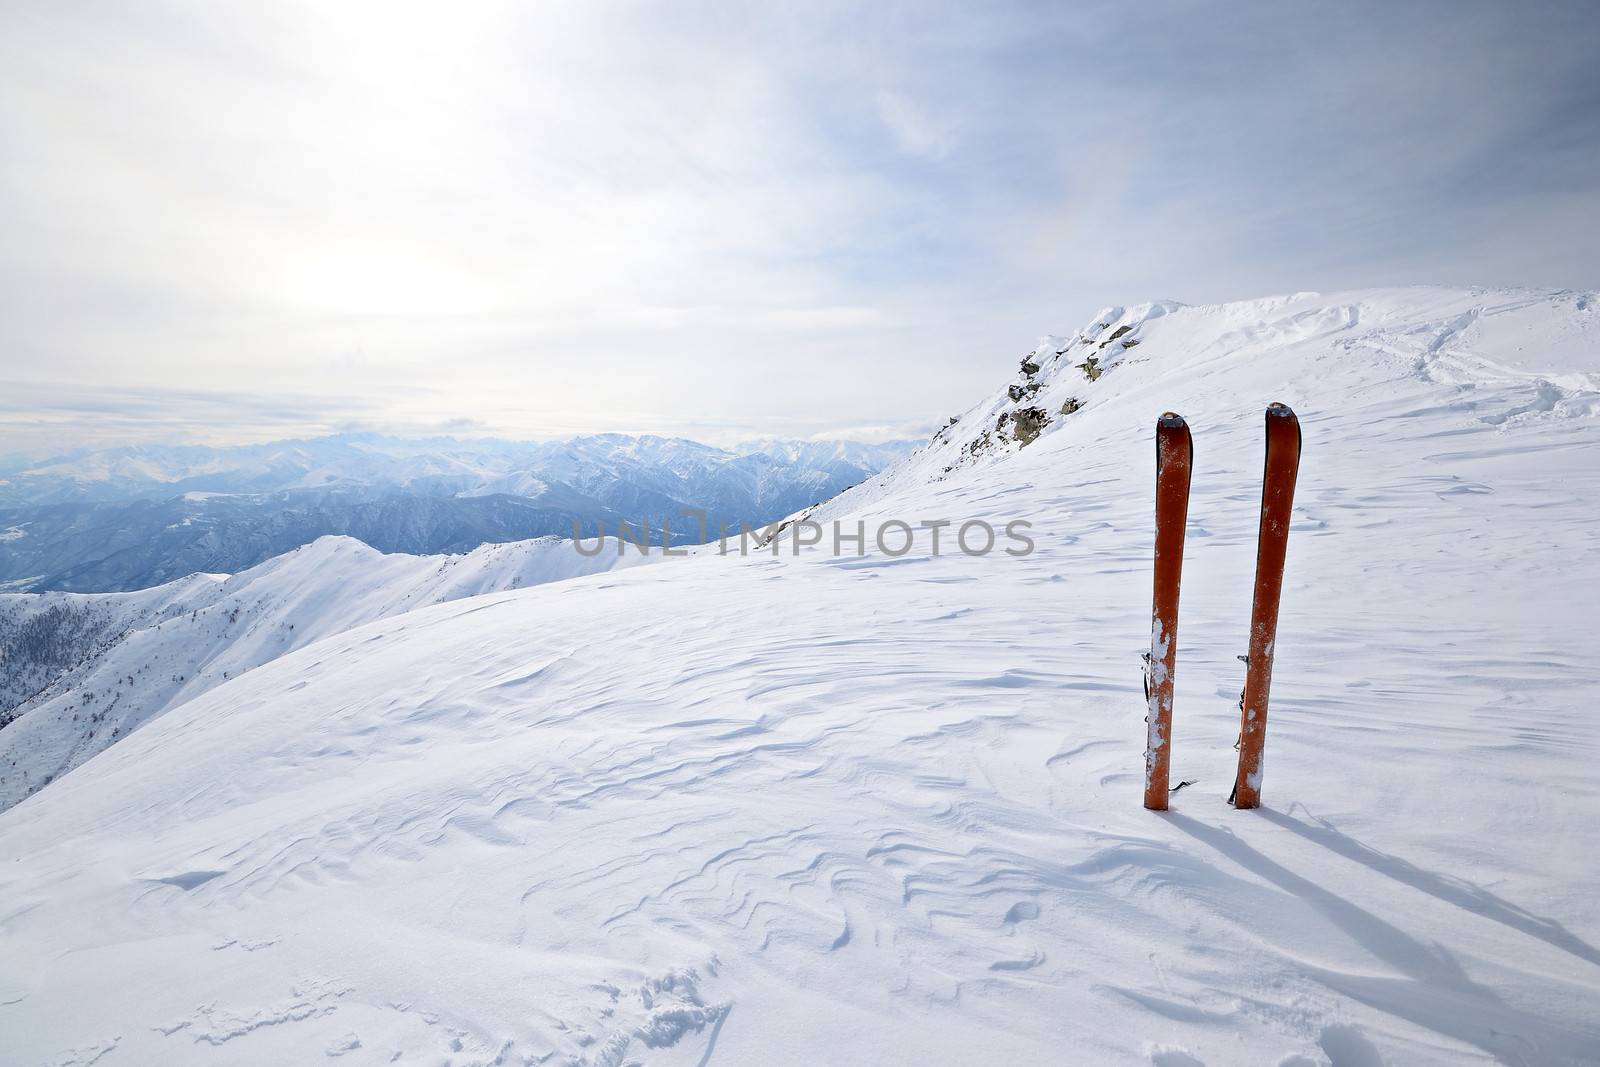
column 709, row 219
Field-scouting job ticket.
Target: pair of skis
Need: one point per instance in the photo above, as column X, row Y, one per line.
column 1174, row 461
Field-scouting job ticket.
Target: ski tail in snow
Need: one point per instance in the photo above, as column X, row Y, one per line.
column 1174, row 461
column 1277, row 501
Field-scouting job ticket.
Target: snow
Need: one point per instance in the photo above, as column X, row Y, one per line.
column 787, row 809
column 161, row 647
column 470, row 467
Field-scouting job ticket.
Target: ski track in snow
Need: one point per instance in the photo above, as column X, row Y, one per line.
column 803, row 810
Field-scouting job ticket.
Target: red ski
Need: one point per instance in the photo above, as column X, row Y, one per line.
column 1174, row 459
column 1277, row 499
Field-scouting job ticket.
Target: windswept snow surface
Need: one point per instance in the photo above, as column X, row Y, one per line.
column 152, row 650
column 887, row 809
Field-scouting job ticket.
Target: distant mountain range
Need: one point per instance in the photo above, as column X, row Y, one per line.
column 133, row 517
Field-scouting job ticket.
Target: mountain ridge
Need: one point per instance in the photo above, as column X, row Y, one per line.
column 436, row 464
column 114, row 662
column 95, row 532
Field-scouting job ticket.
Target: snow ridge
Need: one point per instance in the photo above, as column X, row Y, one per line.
column 139, row 655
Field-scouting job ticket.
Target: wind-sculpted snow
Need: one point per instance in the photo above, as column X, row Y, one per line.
column 798, row 810
column 118, row 660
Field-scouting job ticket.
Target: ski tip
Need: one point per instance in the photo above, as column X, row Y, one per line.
column 1171, row 420
column 1279, row 410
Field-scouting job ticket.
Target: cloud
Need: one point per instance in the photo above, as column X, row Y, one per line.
column 915, row 130
column 37, row 417
column 709, row 215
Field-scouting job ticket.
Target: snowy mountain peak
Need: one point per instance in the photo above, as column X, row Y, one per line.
column 1149, row 356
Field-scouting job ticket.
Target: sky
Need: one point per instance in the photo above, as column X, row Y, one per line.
column 228, row 222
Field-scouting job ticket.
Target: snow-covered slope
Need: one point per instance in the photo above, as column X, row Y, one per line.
column 785, row 810
column 125, row 658
column 44, row 636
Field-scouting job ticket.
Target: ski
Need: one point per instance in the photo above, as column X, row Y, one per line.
column 1174, row 460
column 1277, row 500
